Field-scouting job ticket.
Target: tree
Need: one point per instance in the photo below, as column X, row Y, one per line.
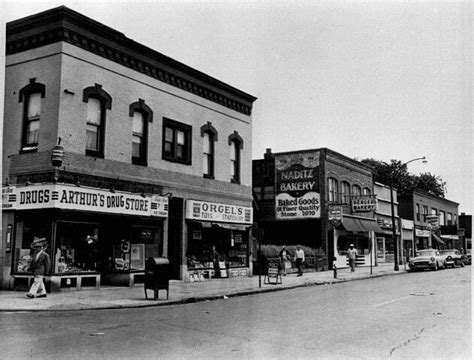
column 402, row 180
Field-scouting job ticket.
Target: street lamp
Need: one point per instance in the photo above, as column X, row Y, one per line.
column 394, row 232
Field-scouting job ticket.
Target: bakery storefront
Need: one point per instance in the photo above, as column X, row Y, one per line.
column 218, row 240
column 95, row 237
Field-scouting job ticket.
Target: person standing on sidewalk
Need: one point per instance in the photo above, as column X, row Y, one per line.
column 284, row 260
column 40, row 264
column 352, row 255
column 299, row 259
column 334, row 267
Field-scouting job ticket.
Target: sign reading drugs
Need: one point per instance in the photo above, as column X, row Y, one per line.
column 297, row 185
column 81, row 198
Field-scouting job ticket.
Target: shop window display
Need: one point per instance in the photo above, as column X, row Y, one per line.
column 208, row 246
column 25, row 232
column 77, row 247
column 361, row 243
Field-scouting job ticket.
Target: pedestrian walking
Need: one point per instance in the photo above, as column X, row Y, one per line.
column 352, row 255
column 285, row 262
column 299, row 259
column 40, row 266
column 334, row 267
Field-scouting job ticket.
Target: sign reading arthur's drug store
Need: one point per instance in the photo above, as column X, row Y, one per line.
column 83, row 199
column 209, row 211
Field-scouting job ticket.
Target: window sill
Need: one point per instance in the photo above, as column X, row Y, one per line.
column 27, row 150
column 206, row 176
column 179, row 161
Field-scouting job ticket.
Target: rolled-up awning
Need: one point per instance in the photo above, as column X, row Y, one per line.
column 450, row 237
column 438, row 239
column 357, row 225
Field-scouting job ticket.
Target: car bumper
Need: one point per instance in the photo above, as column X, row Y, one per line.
column 421, row 266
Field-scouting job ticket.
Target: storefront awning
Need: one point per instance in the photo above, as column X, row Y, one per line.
column 438, row 239
column 208, row 224
column 356, row 225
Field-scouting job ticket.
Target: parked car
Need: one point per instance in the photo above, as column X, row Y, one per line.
column 453, row 257
column 427, row 259
column 467, row 258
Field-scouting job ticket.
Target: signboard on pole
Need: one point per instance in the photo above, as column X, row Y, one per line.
column 335, row 214
column 297, row 193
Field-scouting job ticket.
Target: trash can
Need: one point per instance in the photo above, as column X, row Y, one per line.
column 156, row 276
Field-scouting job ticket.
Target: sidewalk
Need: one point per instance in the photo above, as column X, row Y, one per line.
column 180, row 292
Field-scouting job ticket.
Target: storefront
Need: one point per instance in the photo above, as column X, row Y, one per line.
column 95, row 237
column 360, row 232
column 384, row 241
column 422, row 238
column 407, row 239
column 218, row 240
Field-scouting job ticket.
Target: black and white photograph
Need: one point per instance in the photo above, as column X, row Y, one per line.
column 236, row 179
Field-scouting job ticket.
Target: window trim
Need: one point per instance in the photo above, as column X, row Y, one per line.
column 345, row 197
column 334, row 192
column 24, row 97
column 105, row 100
column 236, row 140
column 212, row 132
column 187, row 130
column 142, row 108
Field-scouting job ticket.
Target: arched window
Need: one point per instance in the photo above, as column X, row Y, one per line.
column 236, row 143
column 209, row 135
column 332, row 190
column 98, row 101
column 141, row 115
column 356, row 190
column 345, row 192
column 367, row 191
column 31, row 96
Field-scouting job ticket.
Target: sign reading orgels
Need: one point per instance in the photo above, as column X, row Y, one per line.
column 81, row 198
column 209, row 211
column 297, row 185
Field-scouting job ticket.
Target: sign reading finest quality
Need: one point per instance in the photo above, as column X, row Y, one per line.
column 297, row 185
column 80, row 198
column 208, row 211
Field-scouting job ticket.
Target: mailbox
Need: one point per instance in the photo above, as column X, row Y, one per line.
column 157, row 276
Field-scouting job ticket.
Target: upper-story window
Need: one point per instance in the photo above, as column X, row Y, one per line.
column 98, row 101
column 332, row 190
column 434, row 211
column 31, row 96
column 450, row 218
column 356, row 190
column 141, row 115
column 236, row 144
column 425, row 212
column 209, row 135
column 455, row 219
column 367, row 191
column 417, row 209
column 442, row 217
column 176, row 141
column 345, row 192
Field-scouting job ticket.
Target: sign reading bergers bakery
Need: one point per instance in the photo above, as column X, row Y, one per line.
column 297, row 185
column 209, row 211
column 81, row 198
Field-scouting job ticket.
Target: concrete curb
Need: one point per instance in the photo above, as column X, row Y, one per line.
column 195, row 299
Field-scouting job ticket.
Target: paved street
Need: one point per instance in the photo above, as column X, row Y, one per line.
column 394, row 317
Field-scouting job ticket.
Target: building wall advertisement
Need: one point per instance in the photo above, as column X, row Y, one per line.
column 297, row 186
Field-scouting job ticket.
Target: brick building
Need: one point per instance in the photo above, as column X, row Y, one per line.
column 435, row 219
column 157, row 157
column 317, row 198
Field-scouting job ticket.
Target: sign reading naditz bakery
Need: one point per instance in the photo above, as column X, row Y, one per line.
column 297, row 185
column 364, row 203
column 209, row 211
column 83, row 199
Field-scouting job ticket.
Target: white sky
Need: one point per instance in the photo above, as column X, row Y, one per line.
column 381, row 79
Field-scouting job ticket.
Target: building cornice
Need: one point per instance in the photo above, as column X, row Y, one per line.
column 63, row 24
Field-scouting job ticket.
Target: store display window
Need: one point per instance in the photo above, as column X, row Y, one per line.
column 208, row 245
column 25, row 231
column 77, row 247
column 361, row 243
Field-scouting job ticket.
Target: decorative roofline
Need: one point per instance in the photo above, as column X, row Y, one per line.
column 63, row 24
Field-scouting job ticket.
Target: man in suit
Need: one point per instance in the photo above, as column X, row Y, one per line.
column 40, row 265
